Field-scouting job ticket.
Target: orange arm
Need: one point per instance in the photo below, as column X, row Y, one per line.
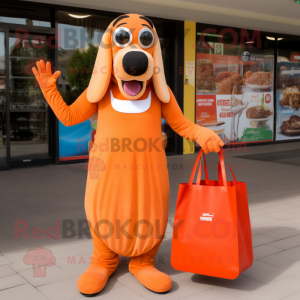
column 206, row 138
column 78, row 112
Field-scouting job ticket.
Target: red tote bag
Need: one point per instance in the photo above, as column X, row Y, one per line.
column 212, row 233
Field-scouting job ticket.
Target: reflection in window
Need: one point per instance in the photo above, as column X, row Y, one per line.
column 28, row 108
column 80, row 37
column 234, row 83
column 25, row 16
column 288, row 88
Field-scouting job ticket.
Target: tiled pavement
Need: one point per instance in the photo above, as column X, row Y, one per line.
column 41, row 195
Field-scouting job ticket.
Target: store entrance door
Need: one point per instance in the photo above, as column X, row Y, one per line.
column 28, row 110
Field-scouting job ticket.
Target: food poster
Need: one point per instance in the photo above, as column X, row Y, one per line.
column 288, row 101
column 234, row 97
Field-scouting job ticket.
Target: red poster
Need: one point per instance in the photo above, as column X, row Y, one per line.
column 206, row 111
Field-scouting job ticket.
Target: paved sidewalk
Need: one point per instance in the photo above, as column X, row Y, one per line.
column 40, row 195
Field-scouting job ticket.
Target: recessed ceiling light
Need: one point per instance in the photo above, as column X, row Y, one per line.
column 78, row 16
column 273, row 39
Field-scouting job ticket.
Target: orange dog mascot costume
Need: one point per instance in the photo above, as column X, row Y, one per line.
column 129, row 198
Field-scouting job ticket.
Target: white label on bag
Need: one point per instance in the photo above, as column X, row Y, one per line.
column 206, row 217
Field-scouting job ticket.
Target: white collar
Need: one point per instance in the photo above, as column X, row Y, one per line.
column 130, row 106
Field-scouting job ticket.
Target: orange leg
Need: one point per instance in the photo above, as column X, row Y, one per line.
column 103, row 263
column 142, row 267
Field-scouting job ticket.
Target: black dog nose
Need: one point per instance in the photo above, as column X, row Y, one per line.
column 135, row 63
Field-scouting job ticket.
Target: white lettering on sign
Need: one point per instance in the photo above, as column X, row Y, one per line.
column 206, row 217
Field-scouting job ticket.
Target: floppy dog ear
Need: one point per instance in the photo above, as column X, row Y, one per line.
column 102, row 72
column 159, row 79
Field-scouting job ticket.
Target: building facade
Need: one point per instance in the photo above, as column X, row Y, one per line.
column 242, row 83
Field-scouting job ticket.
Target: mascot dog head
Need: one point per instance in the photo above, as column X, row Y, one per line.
column 130, row 55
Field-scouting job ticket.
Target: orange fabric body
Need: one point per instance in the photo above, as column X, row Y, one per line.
column 134, row 186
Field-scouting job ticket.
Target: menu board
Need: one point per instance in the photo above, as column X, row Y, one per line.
column 234, row 96
column 288, row 100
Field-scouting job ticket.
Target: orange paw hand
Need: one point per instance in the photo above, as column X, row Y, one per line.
column 211, row 141
column 213, row 145
column 44, row 75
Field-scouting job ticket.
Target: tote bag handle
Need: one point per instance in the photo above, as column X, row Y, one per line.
column 199, row 158
column 205, row 169
column 195, row 168
column 221, row 170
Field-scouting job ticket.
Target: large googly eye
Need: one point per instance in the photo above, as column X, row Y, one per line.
column 122, row 37
column 146, row 38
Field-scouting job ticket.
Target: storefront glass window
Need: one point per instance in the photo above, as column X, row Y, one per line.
column 288, row 89
column 29, row 136
column 234, row 83
column 25, row 15
column 79, row 35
